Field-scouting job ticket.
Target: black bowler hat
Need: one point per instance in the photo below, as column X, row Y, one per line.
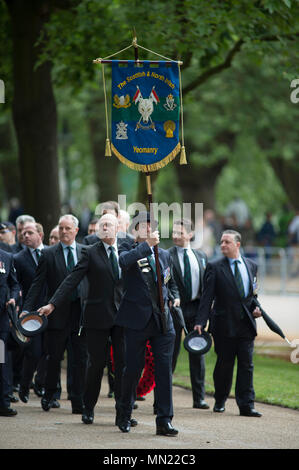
column 196, row 343
column 32, row 324
column 16, row 334
column 142, row 216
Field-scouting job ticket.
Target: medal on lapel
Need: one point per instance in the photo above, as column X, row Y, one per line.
column 2, row 267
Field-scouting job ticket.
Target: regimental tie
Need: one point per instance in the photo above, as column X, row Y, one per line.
column 70, row 259
column 187, row 276
column 114, row 263
column 37, row 254
column 238, row 279
column 152, row 264
column 70, row 266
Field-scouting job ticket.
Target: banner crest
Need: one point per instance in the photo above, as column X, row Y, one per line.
column 145, row 114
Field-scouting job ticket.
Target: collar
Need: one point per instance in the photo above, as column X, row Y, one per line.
column 182, row 248
column 232, row 260
column 40, row 247
column 73, row 245
column 108, row 246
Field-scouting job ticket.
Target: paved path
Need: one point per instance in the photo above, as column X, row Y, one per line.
column 33, row 428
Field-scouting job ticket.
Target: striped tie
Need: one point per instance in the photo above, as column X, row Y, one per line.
column 239, row 280
column 187, row 276
column 152, row 264
column 114, row 263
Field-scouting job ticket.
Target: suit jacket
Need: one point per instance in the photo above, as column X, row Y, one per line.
column 9, row 287
column 104, row 295
column 136, row 307
column 220, row 289
column 51, row 271
column 26, row 269
column 5, row 247
column 178, row 275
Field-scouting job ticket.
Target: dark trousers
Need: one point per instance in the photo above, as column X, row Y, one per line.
column 98, row 345
column 227, row 350
column 56, row 344
column 32, row 354
column 197, row 366
column 162, row 347
column 5, row 372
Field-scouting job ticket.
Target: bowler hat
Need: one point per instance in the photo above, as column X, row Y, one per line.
column 198, row 343
column 32, row 323
column 142, row 216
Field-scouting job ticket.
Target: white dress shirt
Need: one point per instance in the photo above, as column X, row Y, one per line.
column 108, row 251
column 243, row 271
column 195, row 278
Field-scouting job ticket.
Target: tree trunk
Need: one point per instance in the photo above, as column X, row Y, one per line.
column 34, row 113
column 106, row 168
column 198, row 184
column 10, row 175
column 287, row 171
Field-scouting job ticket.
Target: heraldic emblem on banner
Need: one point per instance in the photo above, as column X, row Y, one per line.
column 145, row 113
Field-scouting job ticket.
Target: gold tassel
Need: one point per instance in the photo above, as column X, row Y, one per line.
column 108, row 149
column 183, row 160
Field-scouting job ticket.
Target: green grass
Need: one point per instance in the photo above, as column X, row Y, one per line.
column 276, row 381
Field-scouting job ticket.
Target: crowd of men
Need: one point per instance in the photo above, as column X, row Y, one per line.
column 103, row 292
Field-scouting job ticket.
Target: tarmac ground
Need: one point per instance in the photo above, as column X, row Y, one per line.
column 201, row 430
column 34, row 428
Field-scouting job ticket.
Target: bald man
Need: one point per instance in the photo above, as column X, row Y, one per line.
column 99, row 262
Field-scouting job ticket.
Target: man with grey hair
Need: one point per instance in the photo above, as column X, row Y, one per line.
column 228, row 302
column 55, row 263
column 99, row 262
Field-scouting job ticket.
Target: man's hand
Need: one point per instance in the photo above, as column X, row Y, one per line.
column 198, row 328
column 46, row 309
column 153, row 239
column 11, row 302
column 257, row 312
column 177, row 302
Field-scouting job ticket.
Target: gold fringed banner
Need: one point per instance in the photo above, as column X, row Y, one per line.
column 150, row 167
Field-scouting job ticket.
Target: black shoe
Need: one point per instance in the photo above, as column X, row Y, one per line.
column 55, row 404
column 124, row 425
column 118, row 419
column 166, row 429
column 110, row 395
column 13, row 399
column 8, row 412
column 218, row 408
column 24, row 395
column 202, row 405
column 38, row 390
column 87, row 417
column 46, row 404
column 251, row 412
column 140, row 398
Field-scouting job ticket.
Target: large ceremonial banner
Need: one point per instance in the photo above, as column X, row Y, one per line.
column 145, row 113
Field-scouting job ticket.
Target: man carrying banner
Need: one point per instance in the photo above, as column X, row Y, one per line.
column 141, row 316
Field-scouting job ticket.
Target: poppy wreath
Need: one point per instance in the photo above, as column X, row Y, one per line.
column 147, row 381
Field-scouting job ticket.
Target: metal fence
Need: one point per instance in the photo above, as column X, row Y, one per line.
column 278, row 271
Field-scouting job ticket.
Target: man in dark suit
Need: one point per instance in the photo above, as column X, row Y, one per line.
column 54, row 265
column 99, row 263
column 20, row 222
column 26, row 262
column 229, row 284
column 188, row 270
column 143, row 320
column 9, row 292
